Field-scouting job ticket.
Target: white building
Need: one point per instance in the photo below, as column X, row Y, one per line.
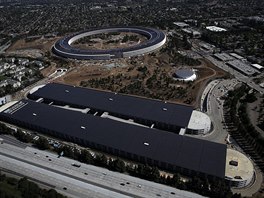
column 239, row 169
column 257, row 66
column 185, row 75
column 215, row 29
column 181, row 24
column 200, row 123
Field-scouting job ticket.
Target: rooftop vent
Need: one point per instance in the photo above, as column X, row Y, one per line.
column 34, row 114
column 233, row 163
column 82, row 127
column 146, row 143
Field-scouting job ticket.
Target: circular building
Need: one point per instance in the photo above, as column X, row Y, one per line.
column 185, row 75
column 155, row 39
column 239, row 169
column 199, row 123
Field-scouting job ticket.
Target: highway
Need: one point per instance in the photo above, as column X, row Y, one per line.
column 85, row 181
column 13, row 141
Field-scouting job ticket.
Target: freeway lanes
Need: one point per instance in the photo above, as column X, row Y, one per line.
column 74, row 187
column 13, row 141
column 83, row 181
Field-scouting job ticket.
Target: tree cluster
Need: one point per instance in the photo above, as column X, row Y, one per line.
column 239, row 124
column 42, row 143
column 13, row 188
column 5, row 130
column 158, row 85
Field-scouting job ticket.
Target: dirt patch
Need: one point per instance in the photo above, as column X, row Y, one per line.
column 109, row 41
column 49, row 70
column 147, row 76
column 43, row 44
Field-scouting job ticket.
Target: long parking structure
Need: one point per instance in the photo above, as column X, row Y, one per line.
column 164, row 115
column 163, row 149
column 155, row 113
column 156, row 39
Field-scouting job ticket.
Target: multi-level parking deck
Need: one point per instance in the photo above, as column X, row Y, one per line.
column 157, row 148
column 164, row 115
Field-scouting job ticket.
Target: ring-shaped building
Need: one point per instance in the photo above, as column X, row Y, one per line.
column 63, row 48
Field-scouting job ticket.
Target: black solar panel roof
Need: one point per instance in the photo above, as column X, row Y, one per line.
column 190, row 153
column 154, row 36
column 146, row 109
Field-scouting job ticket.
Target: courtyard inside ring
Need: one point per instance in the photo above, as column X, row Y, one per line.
column 155, row 40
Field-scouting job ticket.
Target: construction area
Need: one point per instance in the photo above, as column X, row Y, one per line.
column 149, row 75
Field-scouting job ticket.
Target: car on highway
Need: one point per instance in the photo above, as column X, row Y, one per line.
column 76, row 165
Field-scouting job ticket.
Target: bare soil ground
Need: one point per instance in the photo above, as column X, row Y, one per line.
column 42, row 44
column 124, row 72
column 206, row 72
column 49, row 70
column 34, row 49
column 111, row 42
column 260, row 193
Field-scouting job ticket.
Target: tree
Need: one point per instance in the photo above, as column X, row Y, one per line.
column 86, row 157
column 68, row 152
column 101, row 160
column 28, row 189
column 175, row 181
column 22, row 136
column 117, row 165
column 236, row 195
column 4, row 129
column 42, row 143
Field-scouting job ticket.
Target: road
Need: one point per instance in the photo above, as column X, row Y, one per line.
column 84, row 181
column 214, row 108
column 215, row 90
column 23, row 93
column 239, row 76
column 13, row 141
